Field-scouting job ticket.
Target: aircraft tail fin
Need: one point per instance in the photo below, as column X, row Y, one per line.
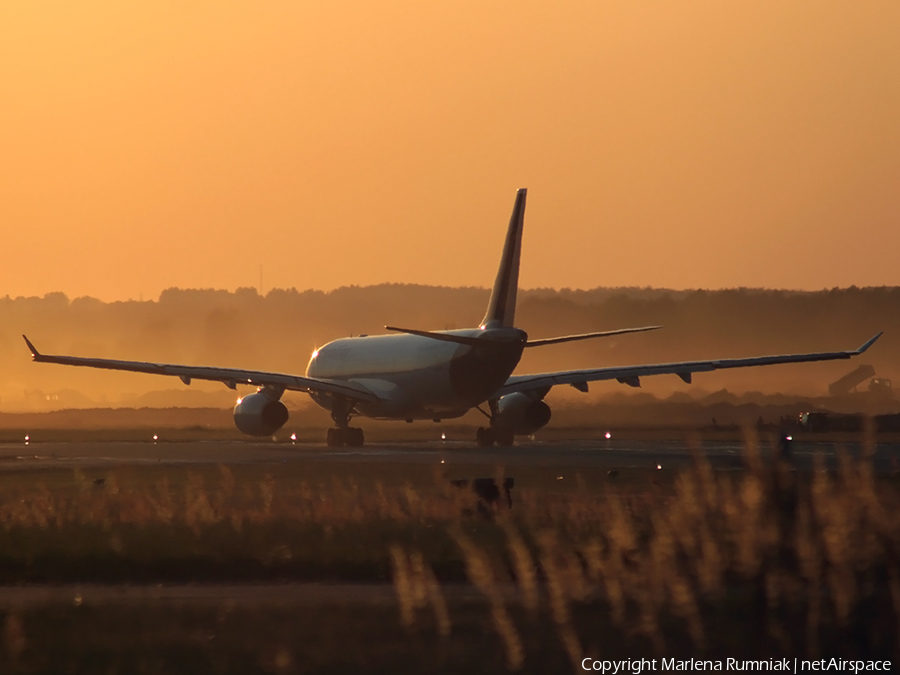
column 501, row 311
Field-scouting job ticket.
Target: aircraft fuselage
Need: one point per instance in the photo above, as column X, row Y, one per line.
column 415, row 377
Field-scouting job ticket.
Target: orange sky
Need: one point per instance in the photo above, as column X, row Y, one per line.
column 684, row 144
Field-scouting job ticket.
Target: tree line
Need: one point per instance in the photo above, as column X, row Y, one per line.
column 279, row 330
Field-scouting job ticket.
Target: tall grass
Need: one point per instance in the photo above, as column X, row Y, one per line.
column 767, row 559
column 794, row 559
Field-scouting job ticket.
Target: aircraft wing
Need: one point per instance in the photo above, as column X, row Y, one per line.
column 231, row 377
column 631, row 374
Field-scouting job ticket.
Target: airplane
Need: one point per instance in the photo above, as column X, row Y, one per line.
column 412, row 374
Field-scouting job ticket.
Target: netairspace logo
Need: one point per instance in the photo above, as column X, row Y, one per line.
column 638, row 666
column 842, row 665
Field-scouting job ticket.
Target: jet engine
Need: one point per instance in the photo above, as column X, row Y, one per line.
column 260, row 414
column 521, row 413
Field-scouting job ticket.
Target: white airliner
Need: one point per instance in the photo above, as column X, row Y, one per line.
column 420, row 374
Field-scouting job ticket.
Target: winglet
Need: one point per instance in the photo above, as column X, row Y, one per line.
column 869, row 343
column 34, row 352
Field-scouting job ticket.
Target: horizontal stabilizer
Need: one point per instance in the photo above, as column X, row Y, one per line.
column 586, row 336
column 444, row 337
column 491, row 337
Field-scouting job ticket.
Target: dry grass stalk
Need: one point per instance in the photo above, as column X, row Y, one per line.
column 564, row 581
column 416, row 588
column 402, row 576
column 523, row 565
column 433, row 594
column 481, row 573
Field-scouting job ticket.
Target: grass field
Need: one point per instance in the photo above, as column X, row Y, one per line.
column 758, row 563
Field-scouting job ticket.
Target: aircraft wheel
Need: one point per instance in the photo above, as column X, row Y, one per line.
column 334, row 438
column 355, row 437
column 484, row 437
column 503, row 436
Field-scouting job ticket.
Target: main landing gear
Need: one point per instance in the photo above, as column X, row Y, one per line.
column 343, row 433
column 487, row 436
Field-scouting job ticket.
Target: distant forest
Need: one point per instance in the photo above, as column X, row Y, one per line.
column 278, row 332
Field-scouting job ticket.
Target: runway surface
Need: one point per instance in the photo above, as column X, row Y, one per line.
column 673, row 454
column 268, row 595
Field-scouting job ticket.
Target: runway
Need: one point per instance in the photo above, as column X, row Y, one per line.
column 598, row 454
column 256, row 595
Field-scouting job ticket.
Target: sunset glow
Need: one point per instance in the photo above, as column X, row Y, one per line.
column 688, row 144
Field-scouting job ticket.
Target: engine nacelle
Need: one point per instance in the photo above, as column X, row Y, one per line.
column 521, row 413
column 260, row 414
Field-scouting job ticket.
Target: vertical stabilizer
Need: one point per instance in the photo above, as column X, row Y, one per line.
column 501, row 309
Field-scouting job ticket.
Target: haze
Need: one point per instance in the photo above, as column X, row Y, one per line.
column 672, row 144
column 278, row 332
